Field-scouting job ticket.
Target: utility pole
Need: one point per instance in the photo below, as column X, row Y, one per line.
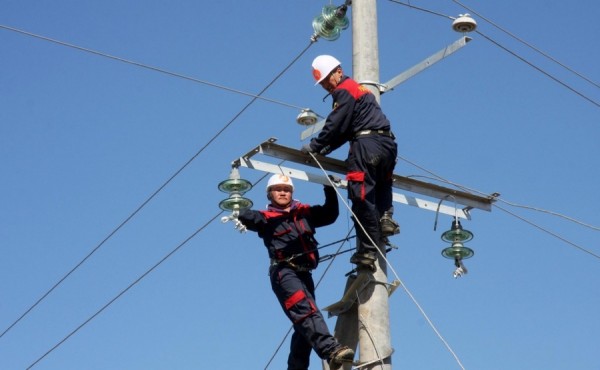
column 373, row 308
column 363, row 312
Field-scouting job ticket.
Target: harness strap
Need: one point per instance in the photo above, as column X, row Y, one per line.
column 363, row 133
column 290, row 264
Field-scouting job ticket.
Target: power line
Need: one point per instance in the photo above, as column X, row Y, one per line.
column 548, row 232
column 167, row 256
column 532, row 208
column 596, row 228
column 421, row 9
column 527, row 44
column 439, row 178
column 185, row 165
column 539, row 69
column 389, row 264
column 146, row 66
column 547, row 74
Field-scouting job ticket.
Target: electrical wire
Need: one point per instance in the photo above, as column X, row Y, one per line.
column 185, row 165
column 555, row 79
column 549, row 232
column 499, row 199
column 421, row 9
column 146, row 66
column 464, row 188
column 136, row 281
column 571, row 219
column 255, row 97
column 547, row 74
column 527, row 44
column 388, row 263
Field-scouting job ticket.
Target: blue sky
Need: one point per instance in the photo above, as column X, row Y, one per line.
column 85, row 140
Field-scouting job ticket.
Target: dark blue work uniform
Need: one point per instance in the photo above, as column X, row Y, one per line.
column 357, row 118
column 289, row 238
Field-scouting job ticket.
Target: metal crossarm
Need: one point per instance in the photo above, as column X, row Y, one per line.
column 270, row 149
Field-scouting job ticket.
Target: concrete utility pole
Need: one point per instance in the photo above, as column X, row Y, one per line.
column 373, row 309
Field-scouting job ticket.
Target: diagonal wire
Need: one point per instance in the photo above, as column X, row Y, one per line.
column 145, row 66
column 512, row 204
column 439, row 178
column 565, row 85
column 548, row 232
column 469, row 190
column 186, row 164
column 167, row 256
column 421, row 9
column 528, row 44
column 389, row 264
column 539, row 69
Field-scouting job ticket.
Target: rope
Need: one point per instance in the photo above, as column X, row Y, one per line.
column 392, row 269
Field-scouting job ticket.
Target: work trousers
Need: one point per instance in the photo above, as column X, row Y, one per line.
column 370, row 163
column 296, row 293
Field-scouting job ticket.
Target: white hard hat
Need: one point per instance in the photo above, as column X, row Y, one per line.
column 322, row 67
column 279, row 179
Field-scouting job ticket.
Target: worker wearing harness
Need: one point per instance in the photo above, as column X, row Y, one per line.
column 357, row 118
column 287, row 228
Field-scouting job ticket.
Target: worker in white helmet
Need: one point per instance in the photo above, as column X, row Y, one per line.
column 287, row 228
column 357, row 118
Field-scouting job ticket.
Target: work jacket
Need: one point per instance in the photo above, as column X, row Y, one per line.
column 355, row 109
column 289, row 235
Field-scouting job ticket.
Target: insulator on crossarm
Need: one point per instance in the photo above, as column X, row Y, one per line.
column 307, row 117
column 234, row 183
column 331, row 22
column 235, row 203
column 457, row 233
column 457, row 251
column 464, row 23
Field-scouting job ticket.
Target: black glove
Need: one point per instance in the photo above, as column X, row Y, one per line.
column 306, row 148
column 335, row 180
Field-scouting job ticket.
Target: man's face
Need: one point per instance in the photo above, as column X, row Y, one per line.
column 281, row 195
column 330, row 82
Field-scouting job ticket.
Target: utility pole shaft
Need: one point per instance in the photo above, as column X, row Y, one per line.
column 373, row 309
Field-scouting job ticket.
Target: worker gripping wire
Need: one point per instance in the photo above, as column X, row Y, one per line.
column 287, row 228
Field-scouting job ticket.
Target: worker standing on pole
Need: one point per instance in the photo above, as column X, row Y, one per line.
column 357, row 118
column 287, row 228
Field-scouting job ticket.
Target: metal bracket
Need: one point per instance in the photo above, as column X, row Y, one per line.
column 269, row 148
column 360, row 365
column 350, row 295
column 389, row 86
column 426, row 63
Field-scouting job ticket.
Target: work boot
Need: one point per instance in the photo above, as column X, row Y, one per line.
column 364, row 257
column 389, row 226
column 341, row 355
